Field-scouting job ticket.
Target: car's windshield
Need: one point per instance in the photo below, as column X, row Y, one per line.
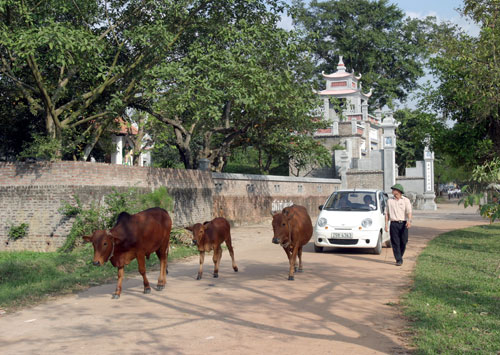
column 351, row 201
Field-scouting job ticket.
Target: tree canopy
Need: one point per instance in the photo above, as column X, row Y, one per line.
column 468, row 93
column 76, row 64
column 243, row 83
column 211, row 74
column 374, row 38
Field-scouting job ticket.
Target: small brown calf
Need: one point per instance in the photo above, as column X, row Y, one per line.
column 209, row 236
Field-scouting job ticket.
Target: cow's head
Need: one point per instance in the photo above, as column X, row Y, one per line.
column 103, row 243
column 198, row 231
column 281, row 230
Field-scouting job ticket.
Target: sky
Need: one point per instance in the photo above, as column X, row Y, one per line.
column 443, row 10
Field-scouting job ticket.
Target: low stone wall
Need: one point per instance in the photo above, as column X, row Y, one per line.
column 412, row 184
column 34, row 193
column 365, row 179
column 246, row 199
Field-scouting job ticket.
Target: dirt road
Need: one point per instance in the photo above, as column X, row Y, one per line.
column 341, row 304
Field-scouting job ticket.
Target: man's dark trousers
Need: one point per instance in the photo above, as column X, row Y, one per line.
column 399, row 238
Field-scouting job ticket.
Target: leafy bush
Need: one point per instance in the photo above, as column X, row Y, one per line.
column 484, row 191
column 18, row 232
column 157, row 198
column 179, row 236
column 88, row 220
column 41, row 148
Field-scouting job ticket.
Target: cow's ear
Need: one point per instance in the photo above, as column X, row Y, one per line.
column 87, row 238
column 189, row 228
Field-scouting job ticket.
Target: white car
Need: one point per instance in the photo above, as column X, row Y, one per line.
column 352, row 218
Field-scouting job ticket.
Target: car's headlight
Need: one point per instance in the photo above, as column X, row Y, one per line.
column 367, row 222
column 322, row 222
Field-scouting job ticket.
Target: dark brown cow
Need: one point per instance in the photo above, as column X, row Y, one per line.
column 292, row 229
column 209, row 236
column 134, row 236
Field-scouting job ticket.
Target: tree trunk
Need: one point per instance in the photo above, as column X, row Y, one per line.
column 183, row 146
column 269, row 161
column 95, row 138
column 186, row 156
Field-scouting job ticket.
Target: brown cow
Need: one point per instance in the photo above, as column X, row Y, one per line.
column 209, row 236
column 292, row 230
column 134, row 236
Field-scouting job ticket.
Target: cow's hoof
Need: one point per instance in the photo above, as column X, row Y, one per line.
column 300, row 270
column 160, row 287
column 115, row 296
column 235, row 269
column 216, row 275
column 167, row 271
column 291, row 278
column 198, row 277
column 147, row 290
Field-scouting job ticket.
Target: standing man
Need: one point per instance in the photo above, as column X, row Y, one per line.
column 399, row 213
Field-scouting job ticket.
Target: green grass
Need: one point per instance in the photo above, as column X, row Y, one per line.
column 27, row 278
column 454, row 304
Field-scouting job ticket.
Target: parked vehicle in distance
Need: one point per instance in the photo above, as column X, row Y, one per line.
column 352, row 218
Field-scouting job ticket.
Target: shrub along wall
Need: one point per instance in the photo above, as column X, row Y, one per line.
column 33, row 193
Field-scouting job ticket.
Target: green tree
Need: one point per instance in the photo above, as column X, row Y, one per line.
column 241, row 77
column 76, row 64
column 16, row 122
column 468, row 72
column 415, row 130
column 373, row 37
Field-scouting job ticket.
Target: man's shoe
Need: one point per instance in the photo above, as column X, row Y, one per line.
column 399, row 263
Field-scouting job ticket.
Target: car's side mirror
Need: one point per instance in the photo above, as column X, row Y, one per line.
column 320, row 207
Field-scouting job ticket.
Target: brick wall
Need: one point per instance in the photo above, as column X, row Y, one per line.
column 98, row 174
column 33, row 193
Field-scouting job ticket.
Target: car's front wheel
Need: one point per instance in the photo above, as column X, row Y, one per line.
column 318, row 249
column 378, row 249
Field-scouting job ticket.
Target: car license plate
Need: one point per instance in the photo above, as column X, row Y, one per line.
column 342, row 235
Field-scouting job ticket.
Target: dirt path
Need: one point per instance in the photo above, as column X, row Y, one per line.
column 341, row 304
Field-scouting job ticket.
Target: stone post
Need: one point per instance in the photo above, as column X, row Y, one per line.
column 204, row 164
column 429, row 193
column 366, row 120
column 335, row 126
column 364, row 110
column 378, row 116
column 116, row 156
column 389, row 139
column 344, row 166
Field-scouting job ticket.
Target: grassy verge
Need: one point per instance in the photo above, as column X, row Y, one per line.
column 454, row 304
column 27, row 278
